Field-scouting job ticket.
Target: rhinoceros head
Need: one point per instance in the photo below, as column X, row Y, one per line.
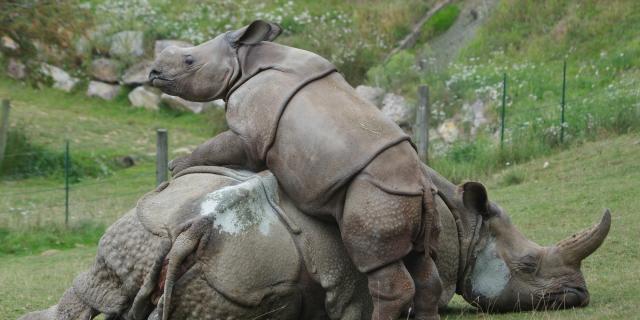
column 207, row 71
column 508, row 272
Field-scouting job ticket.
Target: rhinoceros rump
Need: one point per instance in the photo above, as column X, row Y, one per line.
column 258, row 254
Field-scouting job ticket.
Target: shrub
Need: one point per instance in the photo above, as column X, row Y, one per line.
column 399, row 73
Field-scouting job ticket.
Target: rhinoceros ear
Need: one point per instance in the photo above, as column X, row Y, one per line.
column 257, row 31
column 474, row 197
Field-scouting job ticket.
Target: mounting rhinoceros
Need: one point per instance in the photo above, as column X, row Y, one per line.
column 335, row 155
column 259, row 257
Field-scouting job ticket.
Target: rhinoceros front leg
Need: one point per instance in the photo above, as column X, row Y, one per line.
column 225, row 149
column 70, row 307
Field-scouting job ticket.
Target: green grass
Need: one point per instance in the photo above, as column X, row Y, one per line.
column 37, row 282
column 439, row 22
column 99, row 132
column 35, row 240
column 529, row 41
column 549, row 205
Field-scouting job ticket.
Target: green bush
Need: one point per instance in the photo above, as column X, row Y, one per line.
column 399, row 73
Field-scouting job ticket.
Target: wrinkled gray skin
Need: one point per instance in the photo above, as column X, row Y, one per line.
column 289, row 266
column 334, row 154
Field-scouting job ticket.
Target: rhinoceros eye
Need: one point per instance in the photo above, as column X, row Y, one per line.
column 188, row 60
column 527, row 264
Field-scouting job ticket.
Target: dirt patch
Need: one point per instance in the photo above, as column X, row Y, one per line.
column 445, row 48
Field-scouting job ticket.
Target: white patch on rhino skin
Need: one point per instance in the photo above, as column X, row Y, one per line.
column 490, row 273
column 239, row 208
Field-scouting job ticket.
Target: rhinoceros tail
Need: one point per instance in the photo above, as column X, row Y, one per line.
column 431, row 219
column 185, row 244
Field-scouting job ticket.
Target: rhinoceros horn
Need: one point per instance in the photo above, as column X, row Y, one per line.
column 581, row 245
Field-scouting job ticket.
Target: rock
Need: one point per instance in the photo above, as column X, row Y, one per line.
column 477, row 111
column 82, row 46
column 180, row 104
column 145, row 97
column 448, row 131
column 127, row 43
column 137, row 73
column 395, row 107
column 371, row 94
column 48, row 52
column 9, row 43
column 161, row 44
column 125, row 161
column 105, row 70
column 103, row 90
column 61, row 79
column 16, row 69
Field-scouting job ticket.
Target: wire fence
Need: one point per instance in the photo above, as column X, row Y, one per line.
column 99, row 200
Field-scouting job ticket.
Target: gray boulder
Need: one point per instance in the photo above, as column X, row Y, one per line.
column 82, row 46
column 138, row 73
column 371, row 94
column 105, row 70
column 145, row 97
column 180, row 104
column 478, row 118
column 103, row 90
column 127, row 43
column 448, row 131
column 16, row 69
column 61, row 79
column 395, row 108
column 9, row 43
column 161, row 44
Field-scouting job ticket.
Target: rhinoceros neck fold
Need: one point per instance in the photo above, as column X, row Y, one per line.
column 468, row 226
column 272, row 56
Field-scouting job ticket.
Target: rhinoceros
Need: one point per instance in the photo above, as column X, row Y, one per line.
column 261, row 258
column 335, row 155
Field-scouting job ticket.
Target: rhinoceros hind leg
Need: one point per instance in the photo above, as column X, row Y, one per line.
column 378, row 230
column 391, row 289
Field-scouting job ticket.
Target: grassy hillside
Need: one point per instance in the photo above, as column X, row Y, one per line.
column 547, row 205
column 529, row 41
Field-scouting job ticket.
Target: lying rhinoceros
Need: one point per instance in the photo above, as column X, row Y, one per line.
column 258, row 257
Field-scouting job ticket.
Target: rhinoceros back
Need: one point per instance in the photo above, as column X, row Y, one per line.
column 308, row 126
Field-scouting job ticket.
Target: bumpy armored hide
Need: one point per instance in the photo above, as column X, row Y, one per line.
column 246, row 227
column 302, row 120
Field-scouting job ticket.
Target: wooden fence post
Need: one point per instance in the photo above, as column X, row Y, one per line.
column 67, row 172
column 4, row 127
column 162, row 156
column 422, row 123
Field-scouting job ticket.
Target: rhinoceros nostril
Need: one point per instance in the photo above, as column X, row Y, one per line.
column 154, row 74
